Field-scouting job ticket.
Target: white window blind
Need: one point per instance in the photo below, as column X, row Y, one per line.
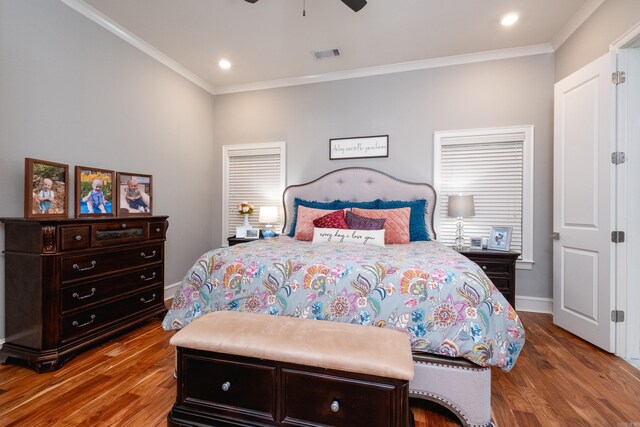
column 495, row 167
column 254, row 173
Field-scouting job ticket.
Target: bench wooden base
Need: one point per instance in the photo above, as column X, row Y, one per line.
column 226, row 390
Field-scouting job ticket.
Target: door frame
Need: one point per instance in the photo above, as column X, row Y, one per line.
column 626, row 52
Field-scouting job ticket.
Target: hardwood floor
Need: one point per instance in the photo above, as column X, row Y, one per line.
column 559, row 380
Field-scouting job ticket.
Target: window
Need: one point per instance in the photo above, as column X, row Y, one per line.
column 254, row 173
column 496, row 167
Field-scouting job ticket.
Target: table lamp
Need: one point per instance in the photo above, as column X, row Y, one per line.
column 268, row 215
column 460, row 207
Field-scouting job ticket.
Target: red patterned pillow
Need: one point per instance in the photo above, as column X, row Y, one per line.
column 304, row 224
column 396, row 225
column 334, row 219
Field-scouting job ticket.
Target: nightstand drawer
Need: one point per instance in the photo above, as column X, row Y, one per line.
column 490, row 268
column 231, row 386
column 333, row 400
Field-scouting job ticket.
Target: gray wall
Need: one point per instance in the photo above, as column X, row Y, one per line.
column 73, row 93
column 410, row 107
column 589, row 42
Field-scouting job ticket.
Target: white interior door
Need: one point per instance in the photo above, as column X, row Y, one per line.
column 584, row 203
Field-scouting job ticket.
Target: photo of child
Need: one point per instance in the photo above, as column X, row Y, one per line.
column 94, row 191
column 45, row 189
column 134, row 194
column 46, row 196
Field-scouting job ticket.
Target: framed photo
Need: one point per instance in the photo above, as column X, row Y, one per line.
column 135, row 196
column 45, row 189
column 475, row 243
column 94, row 192
column 500, row 238
column 241, row 232
column 361, row 147
column 252, row 233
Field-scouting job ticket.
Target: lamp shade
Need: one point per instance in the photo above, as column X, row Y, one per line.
column 461, row 206
column 268, row 214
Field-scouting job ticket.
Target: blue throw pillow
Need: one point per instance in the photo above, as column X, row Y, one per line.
column 417, row 226
column 332, row 205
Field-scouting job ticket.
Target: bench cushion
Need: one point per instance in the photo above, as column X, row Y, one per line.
column 331, row 345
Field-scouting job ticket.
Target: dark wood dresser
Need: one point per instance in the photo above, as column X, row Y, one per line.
column 500, row 267
column 72, row 282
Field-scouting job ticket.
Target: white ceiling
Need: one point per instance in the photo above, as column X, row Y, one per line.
column 271, row 40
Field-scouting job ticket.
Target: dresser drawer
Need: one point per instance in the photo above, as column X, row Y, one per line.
column 87, row 293
column 250, row 388
column 157, row 230
column 75, row 237
column 95, row 318
column 117, row 233
column 95, row 263
column 309, row 397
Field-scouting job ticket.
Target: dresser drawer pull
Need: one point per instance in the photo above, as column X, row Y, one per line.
column 76, row 295
column 147, row 301
column 123, row 225
column 146, row 279
column 226, row 386
column 158, row 230
column 81, row 325
column 143, row 255
column 335, row 406
column 78, row 237
column 77, row 267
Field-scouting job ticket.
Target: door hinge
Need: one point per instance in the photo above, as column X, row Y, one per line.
column 617, row 316
column 617, row 236
column 618, row 77
column 618, row 157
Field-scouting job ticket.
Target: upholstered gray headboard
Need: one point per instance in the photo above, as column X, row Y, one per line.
column 359, row 185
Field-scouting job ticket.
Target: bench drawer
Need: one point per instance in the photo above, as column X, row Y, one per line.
column 238, row 387
column 310, row 396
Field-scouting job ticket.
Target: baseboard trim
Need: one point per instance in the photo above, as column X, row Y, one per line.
column 170, row 290
column 534, row 304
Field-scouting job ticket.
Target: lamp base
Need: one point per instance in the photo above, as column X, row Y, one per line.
column 459, row 234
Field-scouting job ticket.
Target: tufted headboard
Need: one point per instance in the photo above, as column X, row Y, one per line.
column 359, row 185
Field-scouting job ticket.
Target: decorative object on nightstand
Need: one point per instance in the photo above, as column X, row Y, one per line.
column 245, row 209
column 475, row 243
column 500, row 267
column 460, row 207
column 268, row 215
column 500, row 238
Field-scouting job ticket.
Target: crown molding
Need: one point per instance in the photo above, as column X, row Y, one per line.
column 115, row 28
column 575, row 22
column 391, row 68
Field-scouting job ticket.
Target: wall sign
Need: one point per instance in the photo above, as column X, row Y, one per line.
column 361, row 147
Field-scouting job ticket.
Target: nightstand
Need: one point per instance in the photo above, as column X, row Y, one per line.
column 499, row 266
column 233, row 240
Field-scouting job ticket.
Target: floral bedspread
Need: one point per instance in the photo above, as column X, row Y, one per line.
column 442, row 300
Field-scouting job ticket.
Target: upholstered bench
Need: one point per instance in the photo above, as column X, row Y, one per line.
column 253, row 369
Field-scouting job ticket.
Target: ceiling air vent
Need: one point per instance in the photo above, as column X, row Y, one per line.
column 327, row 53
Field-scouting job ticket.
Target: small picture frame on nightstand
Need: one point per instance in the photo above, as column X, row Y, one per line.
column 475, row 243
column 252, row 233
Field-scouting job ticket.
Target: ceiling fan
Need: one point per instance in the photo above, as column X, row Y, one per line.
column 355, row 5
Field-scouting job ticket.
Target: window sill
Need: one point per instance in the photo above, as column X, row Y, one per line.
column 524, row 264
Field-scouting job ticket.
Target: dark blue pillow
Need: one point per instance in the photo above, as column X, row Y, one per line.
column 417, row 226
column 332, row 205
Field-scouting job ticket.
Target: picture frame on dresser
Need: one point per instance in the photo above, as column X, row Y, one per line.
column 45, row 189
column 94, row 192
column 135, row 194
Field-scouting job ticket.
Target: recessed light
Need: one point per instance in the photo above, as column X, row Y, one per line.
column 509, row 19
column 224, row 64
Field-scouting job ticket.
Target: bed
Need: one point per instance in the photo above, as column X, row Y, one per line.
column 443, row 301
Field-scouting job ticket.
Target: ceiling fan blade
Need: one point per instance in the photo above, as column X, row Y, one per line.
column 355, row 5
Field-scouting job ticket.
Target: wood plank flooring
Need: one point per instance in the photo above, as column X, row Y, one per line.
column 559, row 380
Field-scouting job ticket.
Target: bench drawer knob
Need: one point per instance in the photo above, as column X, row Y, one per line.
column 226, row 386
column 335, row 406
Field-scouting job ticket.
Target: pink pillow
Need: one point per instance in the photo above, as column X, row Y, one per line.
column 334, row 219
column 304, row 223
column 396, row 225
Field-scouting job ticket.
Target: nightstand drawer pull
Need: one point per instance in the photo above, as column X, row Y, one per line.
column 335, row 406
column 143, row 255
column 81, row 325
column 147, row 301
column 78, row 237
column 146, row 279
column 226, row 386
column 77, row 296
column 77, row 267
column 158, row 230
column 484, row 267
